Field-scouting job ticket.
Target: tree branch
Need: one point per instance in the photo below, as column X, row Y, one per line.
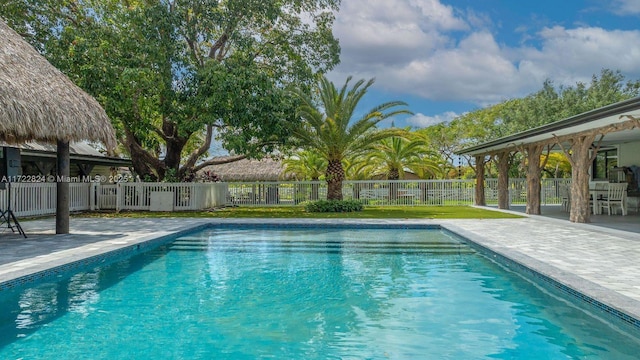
column 565, row 151
column 219, row 162
column 194, row 50
column 218, row 46
column 197, row 153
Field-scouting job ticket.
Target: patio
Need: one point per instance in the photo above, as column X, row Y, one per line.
column 630, row 222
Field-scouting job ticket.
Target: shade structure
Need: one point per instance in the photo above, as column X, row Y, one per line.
column 266, row 169
column 39, row 102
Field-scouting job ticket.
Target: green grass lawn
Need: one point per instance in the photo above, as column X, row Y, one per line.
column 369, row 212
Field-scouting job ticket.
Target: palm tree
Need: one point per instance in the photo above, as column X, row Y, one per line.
column 358, row 168
column 395, row 154
column 305, row 165
column 327, row 126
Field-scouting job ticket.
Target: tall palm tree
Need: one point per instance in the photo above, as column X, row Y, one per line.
column 328, row 129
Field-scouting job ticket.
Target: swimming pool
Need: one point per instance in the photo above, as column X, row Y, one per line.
column 257, row 292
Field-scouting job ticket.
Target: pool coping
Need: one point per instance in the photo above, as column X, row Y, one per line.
column 608, row 301
column 39, row 267
column 589, row 293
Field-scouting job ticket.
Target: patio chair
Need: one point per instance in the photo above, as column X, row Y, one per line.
column 616, row 196
column 597, row 192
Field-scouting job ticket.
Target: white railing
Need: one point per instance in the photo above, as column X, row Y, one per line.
column 379, row 192
column 38, row 199
column 549, row 191
column 275, row 193
column 172, row 196
column 411, row 192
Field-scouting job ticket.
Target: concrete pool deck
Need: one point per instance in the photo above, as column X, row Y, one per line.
column 599, row 262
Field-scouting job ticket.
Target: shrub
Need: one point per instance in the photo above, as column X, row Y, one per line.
column 333, row 206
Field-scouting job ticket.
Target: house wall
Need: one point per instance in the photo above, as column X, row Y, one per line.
column 99, row 173
column 629, row 154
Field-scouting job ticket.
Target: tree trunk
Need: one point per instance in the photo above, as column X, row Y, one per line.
column 394, row 174
column 335, row 176
column 503, row 180
column 140, row 166
column 174, row 155
column 143, row 162
column 533, row 179
column 580, row 163
column 334, row 190
column 480, row 199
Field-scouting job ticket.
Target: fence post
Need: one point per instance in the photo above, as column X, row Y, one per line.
column 92, row 195
column 118, row 201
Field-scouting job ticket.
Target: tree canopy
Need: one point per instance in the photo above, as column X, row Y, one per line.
column 515, row 115
column 174, row 74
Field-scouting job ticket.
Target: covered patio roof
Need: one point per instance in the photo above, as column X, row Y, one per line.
column 611, row 115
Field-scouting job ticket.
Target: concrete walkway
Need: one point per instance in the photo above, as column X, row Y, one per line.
column 601, row 263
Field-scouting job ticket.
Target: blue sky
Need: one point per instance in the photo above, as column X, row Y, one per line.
column 447, row 57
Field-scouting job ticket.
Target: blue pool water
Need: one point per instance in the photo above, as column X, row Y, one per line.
column 249, row 293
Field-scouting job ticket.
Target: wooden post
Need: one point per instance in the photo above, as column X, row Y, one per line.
column 580, row 163
column 503, row 180
column 533, row 178
column 62, row 188
column 480, row 199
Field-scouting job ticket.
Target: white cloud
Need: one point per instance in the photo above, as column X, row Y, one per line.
column 437, row 52
column 476, row 69
column 626, row 7
column 422, row 120
column 379, row 33
column 571, row 55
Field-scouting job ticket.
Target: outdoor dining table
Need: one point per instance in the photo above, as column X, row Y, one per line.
column 596, row 196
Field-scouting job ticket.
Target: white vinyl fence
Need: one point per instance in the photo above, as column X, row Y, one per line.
column 385, row 193
column 411, row 192
column 549, row 194
column 162, row 196
column 38, row 199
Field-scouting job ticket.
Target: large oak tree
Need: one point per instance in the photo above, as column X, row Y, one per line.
column 172, row 75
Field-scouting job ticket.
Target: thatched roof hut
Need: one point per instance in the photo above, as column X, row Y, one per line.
column 248, row 170
column 39, row 102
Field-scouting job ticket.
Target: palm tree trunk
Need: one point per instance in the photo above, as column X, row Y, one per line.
column 335, row 176
column 394, row 174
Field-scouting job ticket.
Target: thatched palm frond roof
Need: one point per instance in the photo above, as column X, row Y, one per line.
column 266, row 169
column 39, row 102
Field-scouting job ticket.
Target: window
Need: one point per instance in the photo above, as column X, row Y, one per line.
column 603, row 163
